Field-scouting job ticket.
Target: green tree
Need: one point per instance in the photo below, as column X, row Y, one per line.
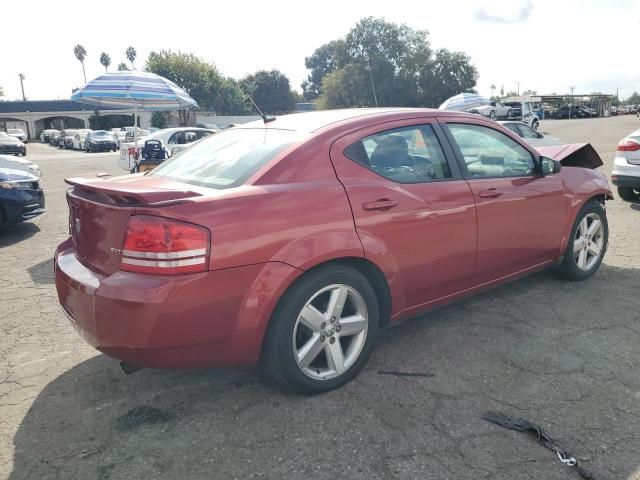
column 131, row 55
column 122, row 67
column 105, row 60
column 392, row 64
column 325, row 60
column 343, row 88
column 634, row 99
column 271, row 91
column 201, row 80
column 159, row 119
column 80, row 53
column 493, row 90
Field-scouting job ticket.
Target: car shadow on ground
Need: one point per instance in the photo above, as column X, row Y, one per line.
column 42, row 273
column 12, row 234
column 635, row 206
column 539, row 347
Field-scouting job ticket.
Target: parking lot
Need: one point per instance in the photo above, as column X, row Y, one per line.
column 564, row 355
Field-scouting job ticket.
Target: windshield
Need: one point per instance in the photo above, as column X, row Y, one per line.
column 70, row 133
column 100, row 134
column 229, row 158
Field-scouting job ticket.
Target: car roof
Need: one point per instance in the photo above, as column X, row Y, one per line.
column 314, row 121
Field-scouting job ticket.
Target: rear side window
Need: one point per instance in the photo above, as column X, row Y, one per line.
column 229, row 158
column 405, row 155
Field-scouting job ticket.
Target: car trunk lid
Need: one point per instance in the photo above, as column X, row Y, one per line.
column 99, row 211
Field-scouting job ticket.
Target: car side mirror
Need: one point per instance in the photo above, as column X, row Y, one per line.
column 549, row 166
column 540, row 134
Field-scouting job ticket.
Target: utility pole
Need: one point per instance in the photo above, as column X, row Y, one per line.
column 21, row 75
column 373, row 87
column 572, row 88
column 518, row 88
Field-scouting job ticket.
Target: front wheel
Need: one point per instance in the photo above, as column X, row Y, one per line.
column 535, row 125
column 323, row 330
column 587, row 244
column 629, row 194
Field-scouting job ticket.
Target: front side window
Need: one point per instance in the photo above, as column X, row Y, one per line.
column 229, row 158
column 490, row 153
column 404, row 155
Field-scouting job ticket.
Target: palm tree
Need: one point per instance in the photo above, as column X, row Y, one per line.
column 131, row 55
column 122, row 67
column 493, row 89
column 80, row 53
column 105, row 60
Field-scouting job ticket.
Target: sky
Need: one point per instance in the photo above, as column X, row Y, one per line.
column 544, row 45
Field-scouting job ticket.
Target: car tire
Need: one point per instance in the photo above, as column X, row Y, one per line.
column 535, row 125
column 509, row 114
column 580, row 260
column 492, row 114
column 629, row 194
column 332, row 358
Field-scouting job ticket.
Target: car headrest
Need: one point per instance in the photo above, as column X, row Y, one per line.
column 392, row 151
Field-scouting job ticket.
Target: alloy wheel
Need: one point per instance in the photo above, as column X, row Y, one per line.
column 588, row 242
column 330, row 332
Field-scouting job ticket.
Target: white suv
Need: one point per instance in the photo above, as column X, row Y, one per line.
column 626, row 168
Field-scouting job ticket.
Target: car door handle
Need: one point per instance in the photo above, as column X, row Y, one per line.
column 380, row 204
column 490, row 193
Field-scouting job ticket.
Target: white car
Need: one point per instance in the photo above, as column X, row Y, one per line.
column 18, row 133
column 493, row 110
column 529, row 135
column 46, row 134
column 80, row 139
column 626, row 168
column 170, row 138
column 20, row 164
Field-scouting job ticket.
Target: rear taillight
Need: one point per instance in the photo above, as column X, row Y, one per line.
column 627, row 145
column 164, row 246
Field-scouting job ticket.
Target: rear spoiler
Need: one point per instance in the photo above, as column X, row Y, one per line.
column 128, row 192
column 573, row 155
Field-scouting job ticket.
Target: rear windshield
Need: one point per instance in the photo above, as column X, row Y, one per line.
column 229, row 158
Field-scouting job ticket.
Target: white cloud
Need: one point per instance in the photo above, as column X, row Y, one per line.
column 504, row 12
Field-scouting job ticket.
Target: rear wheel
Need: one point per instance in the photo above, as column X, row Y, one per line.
column 323, row 330
column 629, row 194
column 587, row 244
column 492, row 114
column 535, row 125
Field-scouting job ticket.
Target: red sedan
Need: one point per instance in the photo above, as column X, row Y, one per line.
column 294, row 242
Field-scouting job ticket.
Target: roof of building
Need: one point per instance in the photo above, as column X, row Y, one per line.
column 46, row 106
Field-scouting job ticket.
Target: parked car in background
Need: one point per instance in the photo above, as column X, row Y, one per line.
column 493, row 110
column 19, row 134
column 79, row 139
column 100, row 141
column 294, row 242
column 11, row 145
column 529, row 135
column 170, row 138
column 54, row 138
column 140, row 134
column 66, row 138
column 626, row 167
column 45, row 135
column 21, row 196
column 23, row 164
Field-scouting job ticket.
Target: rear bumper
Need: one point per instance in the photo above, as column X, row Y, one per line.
column 216, row 318
column 625, row 174
column 21, row 205
column 625, row 181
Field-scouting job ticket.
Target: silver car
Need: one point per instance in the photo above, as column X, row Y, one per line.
column 529, row 135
